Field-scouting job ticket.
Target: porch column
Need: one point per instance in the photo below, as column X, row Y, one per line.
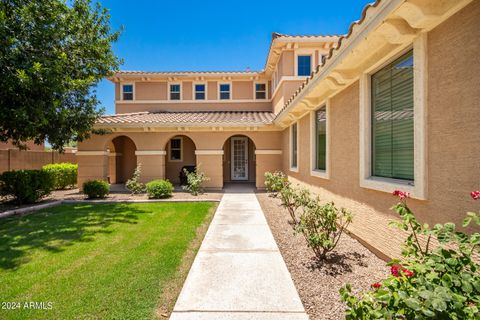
column 153, row 164
column 92, row 165
column 267, row 160
column 210, row 162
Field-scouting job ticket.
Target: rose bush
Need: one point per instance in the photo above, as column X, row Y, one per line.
column 436, row 282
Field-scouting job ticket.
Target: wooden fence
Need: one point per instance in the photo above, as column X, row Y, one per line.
column 13, row 159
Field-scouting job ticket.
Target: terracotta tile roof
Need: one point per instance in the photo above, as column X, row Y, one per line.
column 166, row 73
column 337, row 47
column 196, row 119
column 276, row 35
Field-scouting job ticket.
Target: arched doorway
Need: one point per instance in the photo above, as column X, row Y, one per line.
column 239, row 164
column 122, row 159
column 180, row 153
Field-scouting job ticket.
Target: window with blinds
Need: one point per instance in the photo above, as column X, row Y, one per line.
column 293, row 141
column 392, row 120
column 321, row 139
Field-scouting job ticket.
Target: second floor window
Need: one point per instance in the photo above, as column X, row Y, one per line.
column 174, row 92
column 304, row 65
column 260, row 91
column 127, row 92
column 224, row 91
column 199, row 92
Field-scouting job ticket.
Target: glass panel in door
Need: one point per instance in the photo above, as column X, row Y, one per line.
column 239, row 158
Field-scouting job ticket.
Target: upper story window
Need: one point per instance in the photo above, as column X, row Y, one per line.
column 260, row 91
column 304, row 65
column 224, row 91
column 127, row 92
column 199, row 92
column 175, row 90
column 392, row 120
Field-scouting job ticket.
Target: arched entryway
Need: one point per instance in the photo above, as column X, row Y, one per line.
column 122, row 159
column 180, row 153
column 239, row 164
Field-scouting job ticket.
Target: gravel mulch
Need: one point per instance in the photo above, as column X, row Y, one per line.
column 318, row 284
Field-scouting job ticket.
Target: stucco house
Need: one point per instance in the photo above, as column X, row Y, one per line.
column 393, row 104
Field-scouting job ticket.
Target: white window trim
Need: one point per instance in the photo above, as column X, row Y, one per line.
column 195, row 91
column 169, row 90
column 304, row 52
column 290, row 147
column 231, row 90
column 170, row 150
column 255, row 90
column 325, row 174
column 127, row 84
column 419, row 189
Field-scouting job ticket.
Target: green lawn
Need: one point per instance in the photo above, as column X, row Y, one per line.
column 97, row 261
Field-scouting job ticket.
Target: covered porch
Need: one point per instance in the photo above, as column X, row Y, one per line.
column 230, row 153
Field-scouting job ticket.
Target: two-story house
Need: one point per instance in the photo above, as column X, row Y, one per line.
column 393, row 104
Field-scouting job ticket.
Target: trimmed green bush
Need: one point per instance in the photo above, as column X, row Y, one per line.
column 95, row 189
column 158, row 189
column 64, row 174
column 26, row 186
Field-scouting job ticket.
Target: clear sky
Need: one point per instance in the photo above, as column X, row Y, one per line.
column 214, row 35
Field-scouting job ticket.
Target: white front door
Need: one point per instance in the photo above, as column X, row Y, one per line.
column 239, row 146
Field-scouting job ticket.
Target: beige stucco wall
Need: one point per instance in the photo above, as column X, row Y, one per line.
column 212, row 90
column 284, row 91
column 151, row 90
column 452, row 134
column 187, row 88
column 242, row 90
column 197, row 106
column 286, row 66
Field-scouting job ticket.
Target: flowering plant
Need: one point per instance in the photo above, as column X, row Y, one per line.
column 437, row 278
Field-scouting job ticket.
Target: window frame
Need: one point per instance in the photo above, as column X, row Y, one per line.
column 122, row 92
column 194, row 90
column 229, row 91
column 255, row 90
column 325, row 174
column 290, row 144
column 417, row 187
column 170, row 149
column 170, row 84
column 300, row 53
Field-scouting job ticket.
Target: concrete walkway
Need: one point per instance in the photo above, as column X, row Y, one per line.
column 239, row 272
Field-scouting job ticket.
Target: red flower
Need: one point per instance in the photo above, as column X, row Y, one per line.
column 408, row 273
column 401, row 194
column 475, row 194
column 395, row 270
column 376, row 285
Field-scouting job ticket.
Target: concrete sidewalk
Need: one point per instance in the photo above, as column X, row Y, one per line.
column 239, row 272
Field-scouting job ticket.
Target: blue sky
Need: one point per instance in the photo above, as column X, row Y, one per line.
column 214, row 35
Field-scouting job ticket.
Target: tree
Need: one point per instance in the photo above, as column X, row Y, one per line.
column 52, row 54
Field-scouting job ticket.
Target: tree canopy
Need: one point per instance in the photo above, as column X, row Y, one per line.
column 52, row 54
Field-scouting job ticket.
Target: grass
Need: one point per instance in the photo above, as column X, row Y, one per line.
column 98, row 261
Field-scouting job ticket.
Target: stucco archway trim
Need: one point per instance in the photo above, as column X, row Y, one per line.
column 208, row 152
column 150, row 152
column 267, row 151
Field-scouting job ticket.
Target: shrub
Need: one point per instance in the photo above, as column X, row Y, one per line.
column 438, row 283
column 64, row 174
column 158, row 189
column 195, row 181
column 133, row 184
column 275, row 182
column 96, row 189
column 26, row 186
column 293, row 199
column 322, row 226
